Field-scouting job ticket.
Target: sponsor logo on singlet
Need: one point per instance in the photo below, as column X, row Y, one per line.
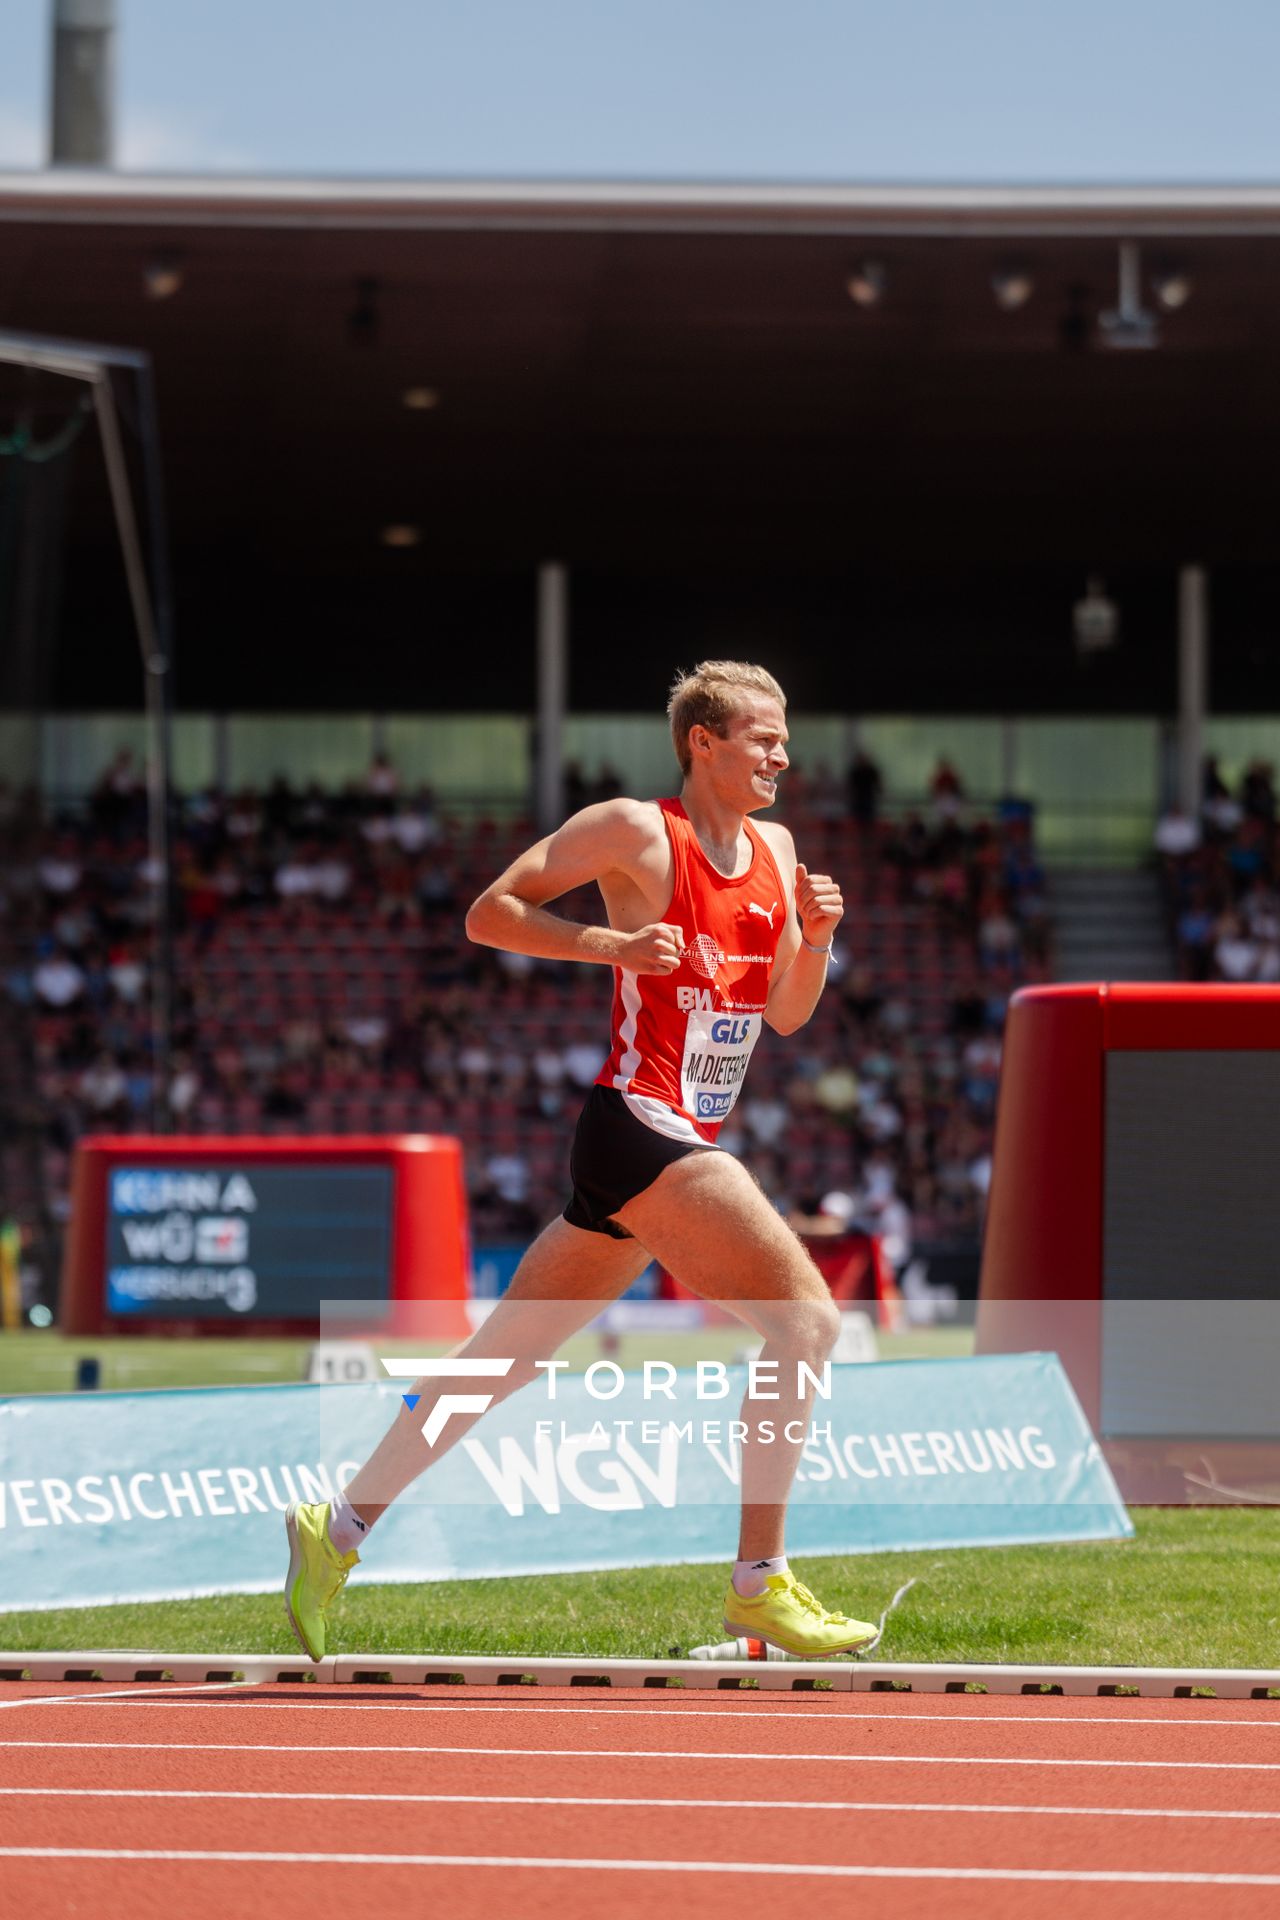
column 706, row 957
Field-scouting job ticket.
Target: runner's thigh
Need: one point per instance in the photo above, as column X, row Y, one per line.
column 710, row 1225
column 564, row 1279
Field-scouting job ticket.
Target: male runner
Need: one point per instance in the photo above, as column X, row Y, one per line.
column 709, row 916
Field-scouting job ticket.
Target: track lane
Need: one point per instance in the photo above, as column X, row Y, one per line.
column 796, row 1837
column 671, row 1775
column 650, row 1748
column 205, row 1891
column 599, row 1727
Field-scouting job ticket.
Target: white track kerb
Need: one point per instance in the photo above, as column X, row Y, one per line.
column 785, row 1676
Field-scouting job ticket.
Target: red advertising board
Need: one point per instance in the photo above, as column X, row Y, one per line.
column 221, row 1233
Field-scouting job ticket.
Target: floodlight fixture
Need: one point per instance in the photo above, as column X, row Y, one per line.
column 1013, row 284
column 867, row 283
column 163, row 275
column 1171, row 286
column 1129, row 324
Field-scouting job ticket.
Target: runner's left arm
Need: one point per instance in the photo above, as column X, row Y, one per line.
column 800, row 973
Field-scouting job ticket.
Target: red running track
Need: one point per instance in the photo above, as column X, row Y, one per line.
column 240, row 1801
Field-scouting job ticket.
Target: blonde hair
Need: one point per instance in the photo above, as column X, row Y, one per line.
column 710, row 696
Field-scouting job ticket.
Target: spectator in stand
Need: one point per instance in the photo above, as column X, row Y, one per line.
column 1235, row 954
column 766, row 1119
column 416, row 825
column 105, row 1091
column 1258, row 793
column 118, row 804
column 865, row 786
column 382, row 782
column 184, row 1087
column 57, row 980
column 1260, row 911
column 583, row 1057
column 1176, row 834
column 60, row 871
column 1195, row 932
column 997, row 931
column 946, row 790
column 127, row 975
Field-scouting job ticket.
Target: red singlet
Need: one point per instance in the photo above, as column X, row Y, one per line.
column 682, row 1040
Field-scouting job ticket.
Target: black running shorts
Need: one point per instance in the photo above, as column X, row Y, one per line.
column 614, row 1157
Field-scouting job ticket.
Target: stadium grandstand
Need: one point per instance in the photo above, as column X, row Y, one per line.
column 457, row 474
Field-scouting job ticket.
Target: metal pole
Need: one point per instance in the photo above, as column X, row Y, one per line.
column 1193, row 684
column 83, row 106
column 80, row 360
column 553, row 687
column 155, row 673
column 159, row 678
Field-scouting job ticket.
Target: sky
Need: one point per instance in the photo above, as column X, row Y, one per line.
column 1017, row 91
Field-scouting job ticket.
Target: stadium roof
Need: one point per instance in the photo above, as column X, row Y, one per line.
column 669, row 387
column 654, row 206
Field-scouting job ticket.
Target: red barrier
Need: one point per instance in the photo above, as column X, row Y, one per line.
column 1045, row 1281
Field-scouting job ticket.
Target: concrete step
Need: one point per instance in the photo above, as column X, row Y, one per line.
column 1108, row 925
column 1068, row 889
column 1104, row 966
column 1120, row 933
column 1068, row 976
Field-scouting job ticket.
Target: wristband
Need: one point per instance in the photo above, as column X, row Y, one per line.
column 826, row 950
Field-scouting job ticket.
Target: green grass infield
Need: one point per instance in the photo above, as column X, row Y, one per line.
column 1197, row 1587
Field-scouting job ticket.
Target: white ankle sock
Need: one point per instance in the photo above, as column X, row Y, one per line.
column 346, row 1529
column 750, row 1576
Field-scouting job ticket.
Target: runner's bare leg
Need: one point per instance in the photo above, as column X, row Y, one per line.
column 710, row 1225
column 564, row 1279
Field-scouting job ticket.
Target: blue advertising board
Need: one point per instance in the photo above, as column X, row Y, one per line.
column 124, row 1497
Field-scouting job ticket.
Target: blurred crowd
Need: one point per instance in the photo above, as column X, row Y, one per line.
column 324, row 983
column 1220, row 874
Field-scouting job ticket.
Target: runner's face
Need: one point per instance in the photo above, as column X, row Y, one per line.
column 753, row 752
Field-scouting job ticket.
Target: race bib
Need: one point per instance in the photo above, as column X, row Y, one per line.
column 717, row 1048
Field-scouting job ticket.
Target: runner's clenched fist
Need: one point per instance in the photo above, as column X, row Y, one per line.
column 819, row 906
column 654, row 949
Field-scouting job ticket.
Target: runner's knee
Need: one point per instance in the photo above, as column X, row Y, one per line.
column 803, row 1329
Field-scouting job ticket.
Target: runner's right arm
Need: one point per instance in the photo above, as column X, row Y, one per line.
column 616, row 836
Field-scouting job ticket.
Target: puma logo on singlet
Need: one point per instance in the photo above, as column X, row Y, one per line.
column 753, row 908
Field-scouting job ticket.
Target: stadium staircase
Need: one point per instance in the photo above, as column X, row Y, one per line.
column 1109, row 925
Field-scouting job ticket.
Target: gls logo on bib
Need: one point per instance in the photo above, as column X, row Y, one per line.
column 717, row 1051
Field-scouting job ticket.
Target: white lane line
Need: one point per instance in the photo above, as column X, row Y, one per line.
column 592, row 1800
column 561, row 1864
column 1032, row 1718
column 346, row 1748
column 142, row 1693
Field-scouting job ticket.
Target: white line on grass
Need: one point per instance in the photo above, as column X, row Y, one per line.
column 563, row 1864
column 345, row 1748
column 586, row 1800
